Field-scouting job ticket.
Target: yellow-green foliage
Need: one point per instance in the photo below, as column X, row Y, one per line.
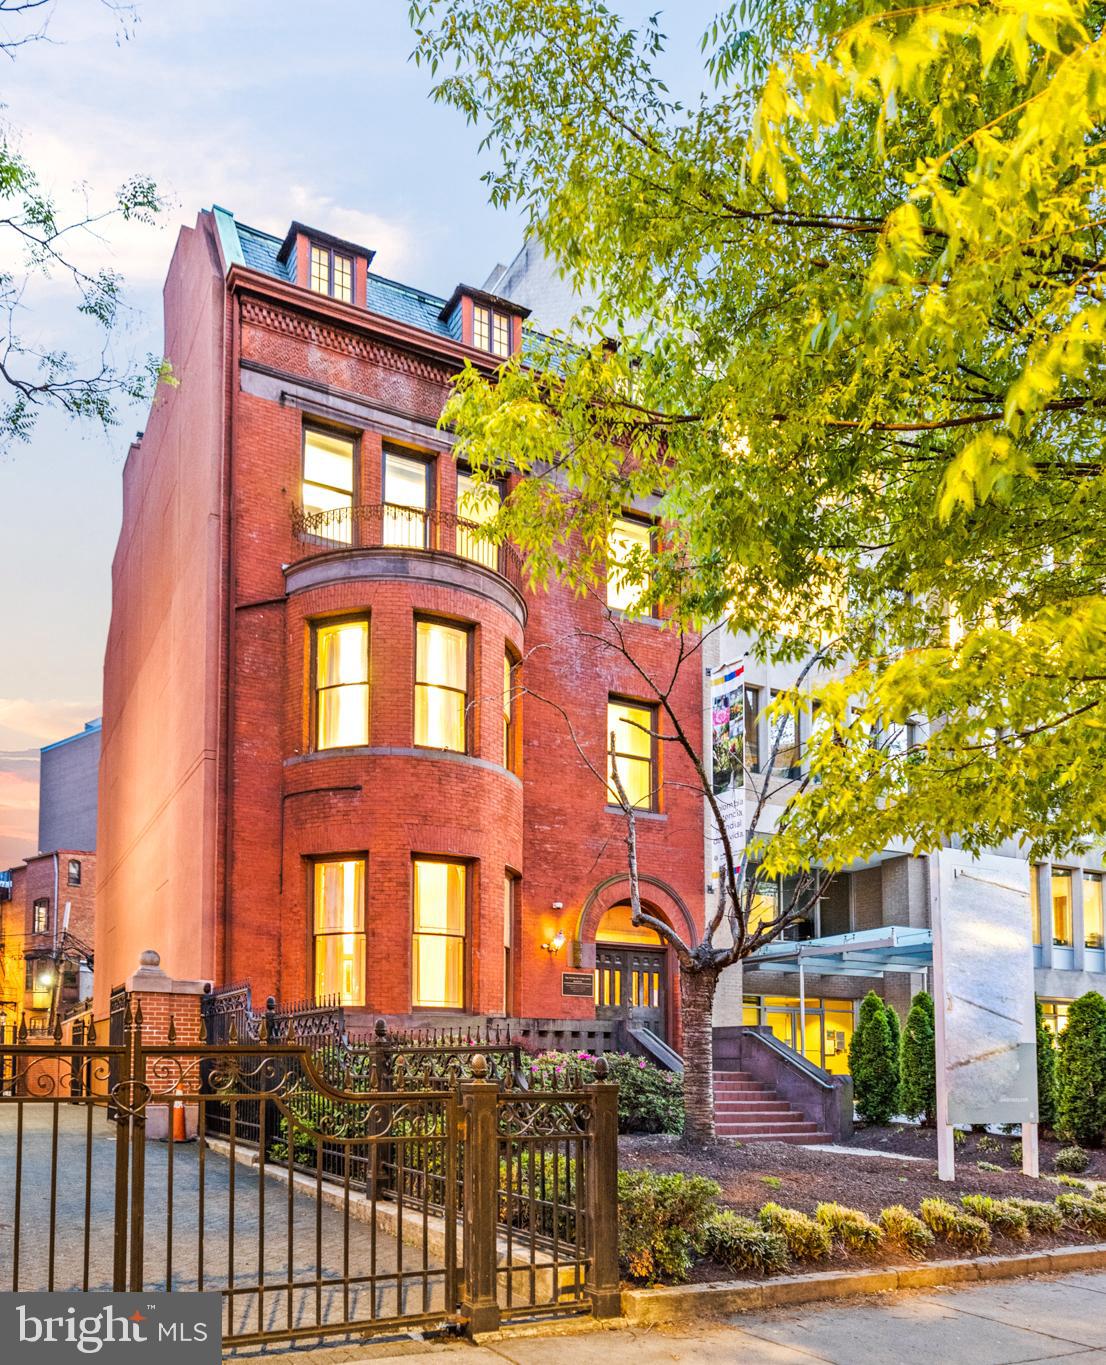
column 1039, row 1216
column 852, row 1228
column 1081, row 1212
column 905, row 1231
column 1006, row 1218
column 806, row 1240
column 955, row 1226
column 743, row 1244
column 662, row 1220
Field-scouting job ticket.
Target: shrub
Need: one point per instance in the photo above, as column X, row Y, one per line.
column 1006, row 1218
column 988, row 1144
column 894, row 1028
column 872, row 1062
column 806, row 1240
column 772, row 1181
column 918, row 1083
column 988, row 1166
column 852, row 1228
column 1071, row 1182
column 1081, row 1072
column 743, row 1244
column 1040, row 1216
column 1071, row 1159
column 1016, row 1154
column 1046, row 1071
column 1081, row 1212
column 650, row 1099
column 955, row 1226
column 662, row 1221
column 905, row 1231
column 959, row 1137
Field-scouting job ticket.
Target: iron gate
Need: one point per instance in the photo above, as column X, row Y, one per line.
column 315, row 1210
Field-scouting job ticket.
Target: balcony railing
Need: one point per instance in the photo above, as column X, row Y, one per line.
column 387, row 525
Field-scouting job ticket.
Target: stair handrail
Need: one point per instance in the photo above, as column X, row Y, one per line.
column 653, row 1043
column 796, row 1059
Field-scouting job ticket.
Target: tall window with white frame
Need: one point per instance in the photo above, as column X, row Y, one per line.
column 438, row 939
column 331, row 273
column 406, row 500
column 477, row 504
column 339, row 930
column 1061, row 908
column 1092, row 910
column 634, row 725
column 628, row 540
column 327, row 492
column 441, row 685
column 74, row 872
column 341, row 684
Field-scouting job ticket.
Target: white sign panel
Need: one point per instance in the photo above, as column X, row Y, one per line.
column 727, row 727
column 983, row 988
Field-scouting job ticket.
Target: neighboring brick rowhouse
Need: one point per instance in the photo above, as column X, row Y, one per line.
column 35, row 922
column 213, row 800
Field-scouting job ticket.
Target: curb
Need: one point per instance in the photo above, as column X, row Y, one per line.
column 678, row 1303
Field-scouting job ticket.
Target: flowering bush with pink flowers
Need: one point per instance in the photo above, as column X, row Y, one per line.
column 650, row 1099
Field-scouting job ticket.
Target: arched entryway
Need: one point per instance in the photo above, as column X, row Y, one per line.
column 631, row 971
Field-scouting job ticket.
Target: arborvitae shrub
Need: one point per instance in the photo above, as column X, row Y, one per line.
column 918, row 1084
column 894, row 1028
column 1081, row 1072
column 1046, row 1071
column 806, row 1240
column 743, row 1244
column 852, row 1228
column 873, row 1063
column 905, row 1231
column 954, row 1226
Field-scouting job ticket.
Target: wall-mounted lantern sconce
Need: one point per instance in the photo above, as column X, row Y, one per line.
column 556, row 943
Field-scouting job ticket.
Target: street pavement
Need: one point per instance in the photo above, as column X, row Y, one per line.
column 1047, row 1318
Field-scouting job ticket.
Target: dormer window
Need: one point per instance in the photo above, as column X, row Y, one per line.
column 331, row 273
column 491, row 331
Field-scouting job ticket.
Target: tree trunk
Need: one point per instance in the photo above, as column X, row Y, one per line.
column 697, row 989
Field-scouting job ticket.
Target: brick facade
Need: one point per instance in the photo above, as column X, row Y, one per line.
column 44, row 881
column 214, row 803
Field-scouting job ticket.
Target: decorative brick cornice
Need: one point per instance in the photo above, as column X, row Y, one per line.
column 276, row 319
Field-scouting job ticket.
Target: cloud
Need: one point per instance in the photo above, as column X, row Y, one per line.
column 27, row 723
column 18, row 807
column 392, row 240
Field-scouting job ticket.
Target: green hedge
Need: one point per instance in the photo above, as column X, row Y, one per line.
column 650, row 1099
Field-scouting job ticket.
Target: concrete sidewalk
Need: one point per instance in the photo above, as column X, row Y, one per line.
column 1046, row 1319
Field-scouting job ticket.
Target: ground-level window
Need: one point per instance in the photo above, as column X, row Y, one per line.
column 40, row 916
column 1054, row 1015
column 1061, row 907
column 824, row 1028
column 341, row 684
column 74, row 873
column 339, row 930
column 633, row 726
column 438, row 948
column 441, row 685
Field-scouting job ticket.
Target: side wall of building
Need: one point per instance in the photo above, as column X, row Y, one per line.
column 159, row 765
column 67, row 791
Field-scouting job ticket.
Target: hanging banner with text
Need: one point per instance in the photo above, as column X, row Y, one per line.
column 727, row 755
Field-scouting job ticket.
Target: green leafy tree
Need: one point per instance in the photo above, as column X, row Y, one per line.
column 1081, row 1072
column 872, row 1063
column 40, row 243
column 846, row 310
column 1046, row 1071
column 918, row 1093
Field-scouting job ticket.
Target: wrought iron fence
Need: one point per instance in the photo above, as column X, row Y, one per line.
column 389, row 525
column 315, row 1210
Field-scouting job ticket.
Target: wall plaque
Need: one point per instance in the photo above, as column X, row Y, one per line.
column 578, row 983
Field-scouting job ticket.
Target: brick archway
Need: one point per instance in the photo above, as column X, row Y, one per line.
column 657, row 897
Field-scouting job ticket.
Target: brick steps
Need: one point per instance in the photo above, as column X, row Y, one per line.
column 747, row 1110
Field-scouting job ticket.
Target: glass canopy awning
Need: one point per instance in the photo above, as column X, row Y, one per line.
column 868, row 952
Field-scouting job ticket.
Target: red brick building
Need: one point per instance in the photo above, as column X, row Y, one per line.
column 334, row 759
column 46, row 932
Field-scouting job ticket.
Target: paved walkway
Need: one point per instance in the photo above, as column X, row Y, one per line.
column 1049, row 1318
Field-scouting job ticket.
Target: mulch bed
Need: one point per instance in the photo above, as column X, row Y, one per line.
column 913, row 1140
column 748, row 1176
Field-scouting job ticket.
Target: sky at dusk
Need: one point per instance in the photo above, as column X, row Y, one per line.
column 277, row 111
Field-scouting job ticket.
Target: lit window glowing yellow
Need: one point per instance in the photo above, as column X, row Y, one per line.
column 328, row 483
column 438, row 949
column 633, row 728
column 342, row 685
column 477, row 504
column 441, row 685
column 626, row 538
column 481, row 328
column 340, row 931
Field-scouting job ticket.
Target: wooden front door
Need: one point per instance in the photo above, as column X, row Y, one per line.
column 632, row 981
